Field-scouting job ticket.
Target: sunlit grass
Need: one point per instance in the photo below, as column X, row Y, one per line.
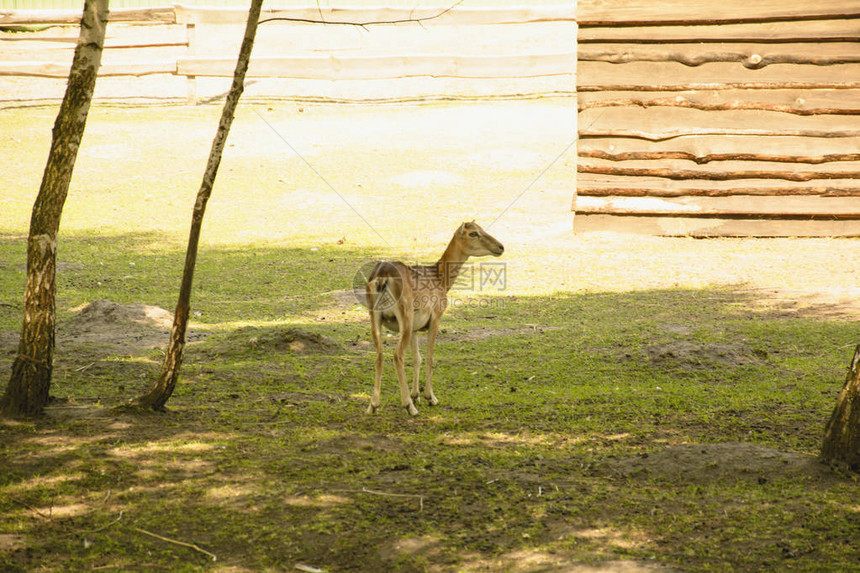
column 599, row 348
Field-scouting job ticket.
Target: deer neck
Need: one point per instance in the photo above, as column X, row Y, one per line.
column 451, row 263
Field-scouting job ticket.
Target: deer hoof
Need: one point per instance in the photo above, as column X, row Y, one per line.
column 413, row 411
column 371, row 409
column 415, row 397
column 431, row 400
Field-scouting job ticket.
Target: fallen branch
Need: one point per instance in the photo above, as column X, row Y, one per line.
column 403, row 495
column 419, row 497
column 33, row 509
column 363, row 24
column 176, row 542
column 109, row 525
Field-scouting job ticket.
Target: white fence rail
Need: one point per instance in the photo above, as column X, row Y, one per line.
column 332, row 66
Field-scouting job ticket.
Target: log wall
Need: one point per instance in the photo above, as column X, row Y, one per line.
column 729, row 118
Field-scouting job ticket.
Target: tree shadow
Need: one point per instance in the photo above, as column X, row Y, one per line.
column 267, row 459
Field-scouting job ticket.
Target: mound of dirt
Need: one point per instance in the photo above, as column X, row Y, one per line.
column 294, row 340
column 98, row 314
column 702, row 463
column 133, row 327
column 684, row 354
column 351, row 443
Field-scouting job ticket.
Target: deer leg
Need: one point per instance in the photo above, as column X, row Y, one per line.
column 431, row 342
column 376, row 334
column 416, row 364
column 399, row 356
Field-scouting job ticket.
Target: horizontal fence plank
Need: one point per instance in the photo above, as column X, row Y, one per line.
column 61, row 70
column 605, row 185
column 707, row 149
column 658, row 124
column 836, row 30
column 716, row 226
column 28, row 38
column 69, row 43
column 720, row 171
column 752, row 56
column 73, row 17
column 800, row 102
column 666, row 76
column 734, row 205
column 442, row 15
column 387, row 67
column 624, row 12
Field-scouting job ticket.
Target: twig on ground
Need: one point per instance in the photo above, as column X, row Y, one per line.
column 364, row 24
column 108, row 525
column 31, row 508
column 308, row 568
column 176, row 542
column 419, row 497
column 403, row 495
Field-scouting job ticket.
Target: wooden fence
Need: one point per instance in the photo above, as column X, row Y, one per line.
column 323, row 67
column 731, row 118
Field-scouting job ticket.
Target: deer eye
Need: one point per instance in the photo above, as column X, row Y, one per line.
column 473, row 234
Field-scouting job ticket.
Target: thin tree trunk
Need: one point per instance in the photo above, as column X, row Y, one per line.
column 29, row 385
column 842, row 434
column 160, row 393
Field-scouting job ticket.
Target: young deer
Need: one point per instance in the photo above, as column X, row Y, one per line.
column 409, row 300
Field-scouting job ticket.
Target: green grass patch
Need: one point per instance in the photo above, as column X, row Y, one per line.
column 600, row 353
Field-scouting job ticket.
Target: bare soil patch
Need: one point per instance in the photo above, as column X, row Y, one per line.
column 130, row 328
column 133, row 327
column 686, row 355
column 10, row 542
column 286, row 452
column 483, row 332
column 703, row 463
column 279, row 340
column 350, row 443
column 825, row 303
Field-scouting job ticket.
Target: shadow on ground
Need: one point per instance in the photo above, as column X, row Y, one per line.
column 637, row 431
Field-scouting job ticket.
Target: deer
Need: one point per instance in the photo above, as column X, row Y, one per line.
column 412, row 299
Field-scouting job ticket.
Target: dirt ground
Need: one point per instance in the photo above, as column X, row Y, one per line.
column 578, row 264
column 135, row 329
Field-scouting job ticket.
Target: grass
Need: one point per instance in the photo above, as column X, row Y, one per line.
column 600, row 349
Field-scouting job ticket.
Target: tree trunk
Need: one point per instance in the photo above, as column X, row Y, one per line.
column 29, row 385
column 160, row 393
column 842, row 435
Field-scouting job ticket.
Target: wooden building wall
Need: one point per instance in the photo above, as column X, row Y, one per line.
column 727, row 118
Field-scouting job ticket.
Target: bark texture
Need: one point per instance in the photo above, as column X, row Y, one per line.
column 842, row 434
column 157, row 396
column 30, row 382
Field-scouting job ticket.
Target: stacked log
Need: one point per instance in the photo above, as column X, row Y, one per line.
column 719, row 118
